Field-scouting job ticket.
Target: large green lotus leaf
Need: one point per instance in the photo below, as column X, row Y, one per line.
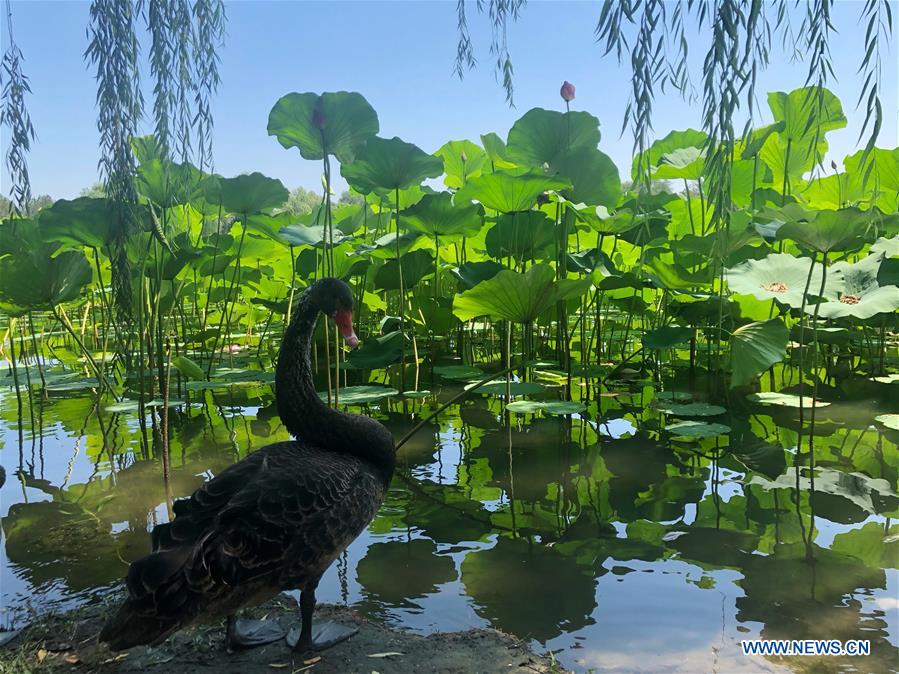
column 462, row 160
column 524, row 236
column 889, row 247
column 379, row 352
column 415, row 266
column 472, row 273
column 508, row 193
column 84, row 221
column 880, row 169
column 757, row 139
column 678, row 155
column 756, row 347
column 777, row 276
column 496, row 151
column 335, row 123
column 593, row 175
column 666, row 337
column 168, row 184
column 301, row 235
column 540, row 136
column 390, row 164
column 827, row 230
column 517, row 297
column 251, row 193
column 803, row 115
column 40, row 282
column 437, row 215
column 857, row 292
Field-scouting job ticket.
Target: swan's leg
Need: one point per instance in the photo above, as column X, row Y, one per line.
column 324, row 635
column 248, row 633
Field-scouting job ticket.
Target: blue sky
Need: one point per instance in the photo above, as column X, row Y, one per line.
column 399, row 55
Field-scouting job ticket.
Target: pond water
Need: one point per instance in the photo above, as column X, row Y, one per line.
column 599, row 537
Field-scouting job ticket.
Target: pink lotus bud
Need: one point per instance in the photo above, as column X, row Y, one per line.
column 567, row 91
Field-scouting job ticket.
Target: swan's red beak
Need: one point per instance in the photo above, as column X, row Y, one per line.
column 344, row 320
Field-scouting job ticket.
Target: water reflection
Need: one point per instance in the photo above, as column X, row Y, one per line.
column 600, row 537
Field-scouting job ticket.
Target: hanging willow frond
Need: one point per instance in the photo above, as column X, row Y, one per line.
column 14, row 115
column 171, row 31
column 651, row 70
column 818, row 28
column 208, row 37
column 465, row 59
column 878, row 17
column 500, row 13
column 723, row 82
column 113, row 50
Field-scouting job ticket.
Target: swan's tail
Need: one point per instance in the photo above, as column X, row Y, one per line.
column 160, row 601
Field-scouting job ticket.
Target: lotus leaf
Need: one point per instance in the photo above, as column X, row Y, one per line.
column 756, row 347
column 335, row 123
column 517, row 297
column 390, row 164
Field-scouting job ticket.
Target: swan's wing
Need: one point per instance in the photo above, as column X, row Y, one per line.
column 195, row 514
column 294, row 518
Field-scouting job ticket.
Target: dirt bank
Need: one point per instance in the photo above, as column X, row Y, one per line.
column 68, row 641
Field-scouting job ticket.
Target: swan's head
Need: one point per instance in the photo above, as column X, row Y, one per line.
column 334, row 298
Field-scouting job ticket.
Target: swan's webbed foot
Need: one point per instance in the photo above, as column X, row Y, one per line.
column 322, row 636
column 318, row 637
column 241, row 634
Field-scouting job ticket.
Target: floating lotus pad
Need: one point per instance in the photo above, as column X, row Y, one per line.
column 691, row 409
column 76, row 385
column 891, row 421
column 559, row 407
column 128, row 406
column 887, row 379
column 697, row 429
column 416, row 394
column 498, row 387
column 783, row 399
column 673, row 396
column 458, row 371
column 359, row 395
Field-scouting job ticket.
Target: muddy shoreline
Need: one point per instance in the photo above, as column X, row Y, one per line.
column 67, row 641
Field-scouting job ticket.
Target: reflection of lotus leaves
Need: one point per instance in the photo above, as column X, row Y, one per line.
column 529, row 590
column 718, row 547
column 536, row 458
column 450, row 517
column 48, row 540
column 796, row 601
column 396, row 571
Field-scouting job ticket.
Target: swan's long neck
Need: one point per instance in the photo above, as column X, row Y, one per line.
column 308, row 418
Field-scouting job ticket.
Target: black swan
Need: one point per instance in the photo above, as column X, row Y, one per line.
column 272, row 522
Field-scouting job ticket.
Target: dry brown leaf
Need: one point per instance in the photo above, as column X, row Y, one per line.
column 312, row 661
column 277, row 665
column 72, row 659
column 42, row 654
column 384, row 655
